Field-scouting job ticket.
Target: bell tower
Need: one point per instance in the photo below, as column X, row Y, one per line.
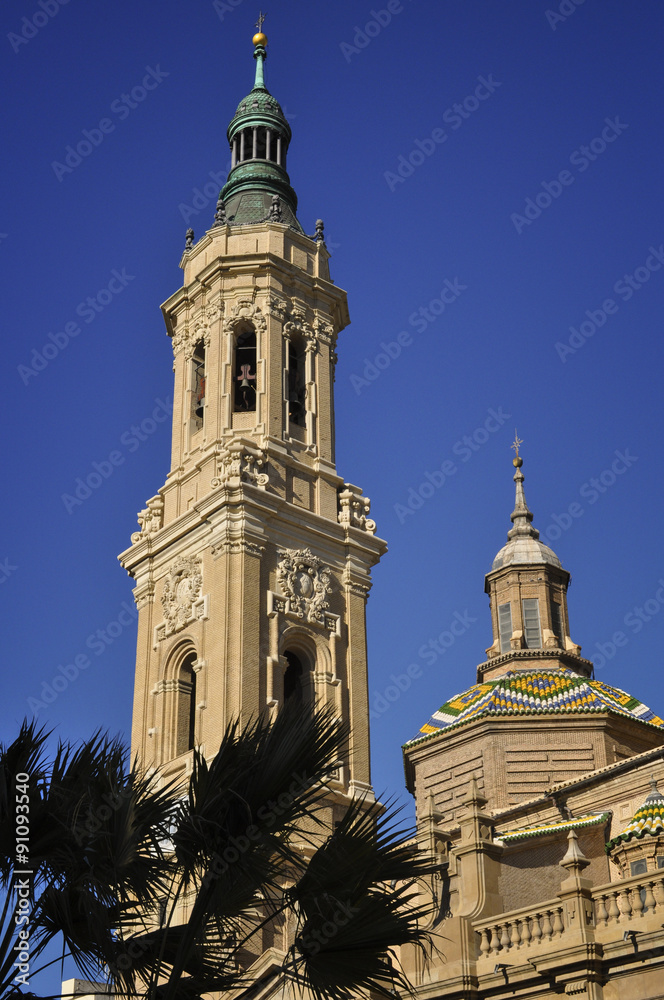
column 252, row 563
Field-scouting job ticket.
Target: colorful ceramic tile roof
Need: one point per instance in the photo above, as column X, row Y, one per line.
column 533, row 692
column 648, row 819
column 537, row 831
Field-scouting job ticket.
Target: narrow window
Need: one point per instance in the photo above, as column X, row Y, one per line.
column 186, row 707
column 557, row 622
column 638, row 867
column 297, row 389
column 505, row 626
column 245, row 371
column 531, row 623
column 198, row 396
column 293, row 680
column 660, row 862
column 260, row 144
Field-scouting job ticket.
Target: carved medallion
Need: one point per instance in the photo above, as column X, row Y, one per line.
column 182, row 598
column 305, row 581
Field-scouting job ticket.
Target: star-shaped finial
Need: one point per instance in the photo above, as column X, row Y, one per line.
column 261, row 18
column 517, row 441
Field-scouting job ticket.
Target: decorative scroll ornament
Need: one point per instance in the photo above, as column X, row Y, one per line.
column 354, row 510
column 242, row 463
column 151, row 519
column 305, row 582
column 182, row 598
column 245, row 310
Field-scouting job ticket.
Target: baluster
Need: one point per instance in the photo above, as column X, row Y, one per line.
column 658, row 890
column 516, row 935
column 602, row 912
column 505, row 937
column 637, row 900
column 547, row 929
column 495, row 940
column 526, row 936
column 485, row 943
column 558, row 925
column 624, row 904
column 537, row 930
column 649, row 902
column 614, row 912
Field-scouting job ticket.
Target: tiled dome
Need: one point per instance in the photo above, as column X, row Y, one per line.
column 536, row 692
column 647, row 820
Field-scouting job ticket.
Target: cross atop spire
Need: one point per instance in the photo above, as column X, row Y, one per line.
column 261, row 18
column 517, row 441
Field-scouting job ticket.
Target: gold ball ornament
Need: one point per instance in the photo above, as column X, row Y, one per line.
column 517, row 462
column 260, row 39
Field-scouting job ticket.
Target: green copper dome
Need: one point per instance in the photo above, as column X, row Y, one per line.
column 258, row 188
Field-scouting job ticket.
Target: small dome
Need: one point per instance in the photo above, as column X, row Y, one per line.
column 259, row 101
column 523, row 546
column 647, row 820
column 536, row 692
column 525, row 550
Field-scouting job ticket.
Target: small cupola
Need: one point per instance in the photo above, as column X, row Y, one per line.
column 527, row 588
column 639, row 849
column 258, row 188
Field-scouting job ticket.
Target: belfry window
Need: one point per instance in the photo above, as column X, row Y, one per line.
column 531, row 623
column 297, row 389
column 557, row 622
column 198, row 395
column 505, row 626
column 245, row 372
column 186, row 706
column 293, row 680
column 639, row 867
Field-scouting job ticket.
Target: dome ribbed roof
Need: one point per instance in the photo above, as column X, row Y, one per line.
column 535, row 692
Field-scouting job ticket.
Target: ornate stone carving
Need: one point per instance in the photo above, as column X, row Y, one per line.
column 305, row 582
column 144, row 595
column 234, row 545
column 243, row 464
column 182, row 598
column 245, row 310
column 277, row 307
column 151, row 519
column 354, row 510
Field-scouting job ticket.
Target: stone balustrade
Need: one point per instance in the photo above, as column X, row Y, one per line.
column 518, row 929
column 626, row 901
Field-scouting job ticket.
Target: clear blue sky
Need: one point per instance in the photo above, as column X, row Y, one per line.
column 557, row 118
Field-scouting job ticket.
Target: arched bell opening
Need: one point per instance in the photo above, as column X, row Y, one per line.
column 198, row 387
column 297, row 383
column 244, row 370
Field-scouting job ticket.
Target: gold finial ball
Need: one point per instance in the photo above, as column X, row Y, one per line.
column 517, row 462
column 260, row 39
